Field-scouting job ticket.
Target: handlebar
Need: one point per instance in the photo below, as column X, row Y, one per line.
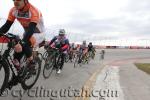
column 11, row 36
column 13, row 40
column 49, row 48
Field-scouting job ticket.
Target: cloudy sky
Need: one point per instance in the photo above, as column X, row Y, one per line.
column 93, row 19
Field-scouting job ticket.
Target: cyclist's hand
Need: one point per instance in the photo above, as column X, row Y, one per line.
column 18, row 48
column 1, row 34
column 46, row 46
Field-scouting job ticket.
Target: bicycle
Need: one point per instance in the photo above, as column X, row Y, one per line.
column 91, row 54
column 24, row 74
column 72, row 55
column 80, row 59
column 52, row 61
column 66, row 57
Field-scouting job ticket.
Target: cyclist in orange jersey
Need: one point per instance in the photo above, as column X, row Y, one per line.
column 31, row 20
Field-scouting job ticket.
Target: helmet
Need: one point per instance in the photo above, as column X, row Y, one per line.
column 84, row 42
column 73, row 44
column 26, row 1
column 62, row 32
column 90, row 43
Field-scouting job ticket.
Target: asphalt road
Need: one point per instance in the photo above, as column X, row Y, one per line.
column 68, row 84
column 120, row 79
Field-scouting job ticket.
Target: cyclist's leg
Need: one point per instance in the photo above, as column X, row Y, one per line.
column 62, row 60
column 17, row 58
column 27, row 49
column 36, row 39
column 80, row 55
column 39, row 38
column 84, row 54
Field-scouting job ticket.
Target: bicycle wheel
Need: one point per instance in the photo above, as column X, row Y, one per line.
column 4, row 73
column 92, row 56
column 77, row 62
column 48, row 67
column 40, row 56
column 58, row 62
column 31, row 76
column 66, row 58
column 87, row 59
column 45, row 55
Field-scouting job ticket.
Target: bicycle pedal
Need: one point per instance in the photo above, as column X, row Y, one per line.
column 9, row 87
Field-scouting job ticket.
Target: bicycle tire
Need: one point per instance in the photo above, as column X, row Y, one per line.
column 48, row 68
column 66, row 58
column 76, row 62
column 58, row 62
column 45, row 55
column 6, row 77
column 27, row 87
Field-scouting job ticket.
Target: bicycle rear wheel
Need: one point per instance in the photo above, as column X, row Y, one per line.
column 29, row 74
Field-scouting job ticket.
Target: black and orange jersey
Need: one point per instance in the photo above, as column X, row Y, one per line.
column 25, row 17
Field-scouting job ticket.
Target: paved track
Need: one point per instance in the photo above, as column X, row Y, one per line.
column 71, row 80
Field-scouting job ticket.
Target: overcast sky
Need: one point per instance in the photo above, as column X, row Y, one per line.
column 93, row 19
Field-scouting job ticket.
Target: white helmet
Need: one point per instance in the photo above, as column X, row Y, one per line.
column 62, row 32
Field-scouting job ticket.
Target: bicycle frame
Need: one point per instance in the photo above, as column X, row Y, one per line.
column 56, row 54
column 6, row 56
column 53, row 57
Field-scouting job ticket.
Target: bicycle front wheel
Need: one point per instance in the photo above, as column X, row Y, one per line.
column 48, row 67
column 45, row 55
column 77, row 62
column 4, row 74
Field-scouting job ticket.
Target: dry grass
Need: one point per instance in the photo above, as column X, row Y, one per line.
column 144, row 67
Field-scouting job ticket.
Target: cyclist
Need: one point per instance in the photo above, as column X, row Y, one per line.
column 72, row 51
column 78, row 47
column 31, row 20
column 62, row 43
column 90, row 47
column 83, row 49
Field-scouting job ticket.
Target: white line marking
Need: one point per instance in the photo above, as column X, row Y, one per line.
column 108, row 85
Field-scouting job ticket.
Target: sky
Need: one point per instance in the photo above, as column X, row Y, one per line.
column 92, row 20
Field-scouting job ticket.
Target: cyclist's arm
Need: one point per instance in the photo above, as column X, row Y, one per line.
column 55, row 38
column 9, row 22
column 35, row 18
column 6, row 27
column 30, row 32
column 66, row 45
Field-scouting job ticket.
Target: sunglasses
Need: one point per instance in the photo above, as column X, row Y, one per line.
column 61, row 34
column 16, row 0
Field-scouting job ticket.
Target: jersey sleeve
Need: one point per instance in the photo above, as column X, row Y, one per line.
column 11, row 16
column 35, row 15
